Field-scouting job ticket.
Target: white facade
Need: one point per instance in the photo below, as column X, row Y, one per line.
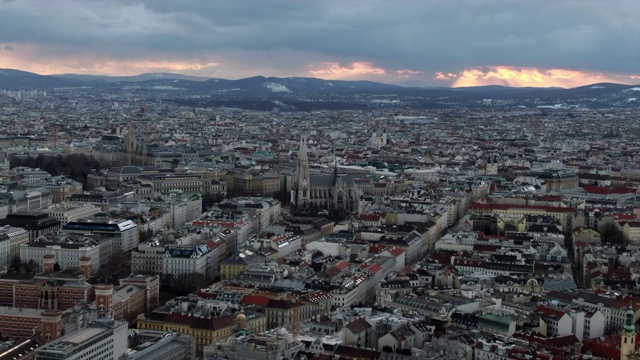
column 66, row 255
column 30, row 200
column 123, row 233
column 148, row 259
column 335, row 249
column 343, row 296
column 15, row 237
column 593, row 325
column 196, row 263
column 105, row 340
column 462, row 241
column 486, row 350
column 5, row 247
column 559, row 327
column 68, row 212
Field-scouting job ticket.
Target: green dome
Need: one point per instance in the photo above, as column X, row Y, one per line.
column 629, row 324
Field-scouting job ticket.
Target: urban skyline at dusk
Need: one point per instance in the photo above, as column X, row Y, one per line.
column 431, row 43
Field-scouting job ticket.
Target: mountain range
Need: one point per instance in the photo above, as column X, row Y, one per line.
column 365, row 93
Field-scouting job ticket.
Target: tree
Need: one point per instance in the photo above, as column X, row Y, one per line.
column 30, row 267
column 611, row 234
column 185, row 284
column 387, row 349
column 15, row 264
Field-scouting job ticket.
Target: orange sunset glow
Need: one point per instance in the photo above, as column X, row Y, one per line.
column 531, row 77
column 333, row 70
column 29, row 58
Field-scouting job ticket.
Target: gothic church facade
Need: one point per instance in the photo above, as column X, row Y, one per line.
column 334, row 192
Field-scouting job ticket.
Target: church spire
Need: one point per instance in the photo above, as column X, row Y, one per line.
column 629, row 323
column 303, row 148
column 628, row 336
column 335, row 167
column 303, row 183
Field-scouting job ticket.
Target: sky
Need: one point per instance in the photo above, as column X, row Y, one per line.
column 542, row 43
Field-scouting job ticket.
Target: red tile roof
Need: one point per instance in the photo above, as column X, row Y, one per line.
column 255, row 300
column 514, row 206
column 550, row 312
column 375, row 268
column 396, row 251
column 592, row 189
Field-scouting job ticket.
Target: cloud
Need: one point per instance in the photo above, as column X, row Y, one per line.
column 442, row 76
column 84, row 61
column 334, row 70
column 290, row 37
column 408, row 73
column 534, row 77
column 8, row 48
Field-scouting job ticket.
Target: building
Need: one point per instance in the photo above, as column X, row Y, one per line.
column 488, row 350
column 68, row 212
column 554, row 322
column 557, row 179
column 10, row 240
column 27, row 200
column 182, row 208
column 67, row 250
column 54, row 290
column 62, row 188
column 36, row 223
column 160, row 345
column 273, row 345
column 124, row 303
column 123, row 233
column 23, row 323
column 628, row 345
column 249, row 184
column 206, row 329
column 358, row 333
column 188, row 183
column 103, row 340
column 191, row 259
column 267, row 209
column 230, row 267
column 482, row 212
column 331, row 192
column 23, row 350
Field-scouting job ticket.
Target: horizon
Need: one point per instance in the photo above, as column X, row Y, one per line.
column 465, row 43
column 204, row 78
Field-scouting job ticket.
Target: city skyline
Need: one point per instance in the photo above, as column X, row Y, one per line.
column 458, row 43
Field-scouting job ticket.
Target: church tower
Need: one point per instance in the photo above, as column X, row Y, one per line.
column 130, row 143
column 628, row 338
column 302, row 182
column 104, row 300
column 51, row 325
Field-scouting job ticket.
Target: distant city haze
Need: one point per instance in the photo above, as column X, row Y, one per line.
column 412, row 43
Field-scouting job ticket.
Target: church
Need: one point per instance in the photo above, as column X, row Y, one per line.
column 333, row 192
column 134, row 152
column 621, row 346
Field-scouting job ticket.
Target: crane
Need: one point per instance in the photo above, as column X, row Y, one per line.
column 295, row 321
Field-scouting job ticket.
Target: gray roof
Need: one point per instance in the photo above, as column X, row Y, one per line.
column 130, row 170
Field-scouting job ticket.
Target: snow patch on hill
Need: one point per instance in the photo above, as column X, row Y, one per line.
column 276, row 87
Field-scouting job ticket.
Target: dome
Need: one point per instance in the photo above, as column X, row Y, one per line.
column 241, row 317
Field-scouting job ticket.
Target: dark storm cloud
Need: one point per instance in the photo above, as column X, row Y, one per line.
column 428, row 36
